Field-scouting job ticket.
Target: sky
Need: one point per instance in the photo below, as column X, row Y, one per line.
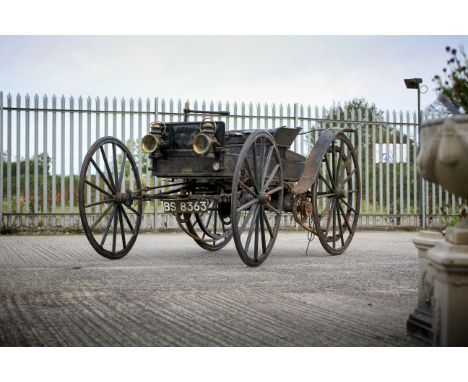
column 310, row 70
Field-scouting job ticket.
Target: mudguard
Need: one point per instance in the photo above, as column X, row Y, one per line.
column 312, row 165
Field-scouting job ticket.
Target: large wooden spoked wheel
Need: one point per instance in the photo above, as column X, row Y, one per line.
column 109, row 212
column 257, row 198
column 210, row 230
column 336, row 196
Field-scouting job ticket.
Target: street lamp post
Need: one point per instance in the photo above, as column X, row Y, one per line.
column 415, row 83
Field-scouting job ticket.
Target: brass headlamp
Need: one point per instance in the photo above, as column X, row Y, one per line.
column 153, row 141
column 205, row 140
column 150, row 143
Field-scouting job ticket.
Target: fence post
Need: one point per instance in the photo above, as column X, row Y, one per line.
column 296, row 122
column 296, row 115
column 1, row 159
column 421, row 180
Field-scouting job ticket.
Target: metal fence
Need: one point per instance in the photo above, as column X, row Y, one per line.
column 43, row 141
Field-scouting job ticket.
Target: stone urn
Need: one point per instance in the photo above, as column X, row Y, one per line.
column 443, row 159
column 443, row 155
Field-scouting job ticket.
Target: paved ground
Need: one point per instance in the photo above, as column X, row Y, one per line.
column 55, row 291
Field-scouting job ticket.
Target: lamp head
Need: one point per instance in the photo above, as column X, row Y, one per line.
column 413, row 83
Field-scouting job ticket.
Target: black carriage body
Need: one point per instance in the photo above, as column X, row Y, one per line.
column 178, row 160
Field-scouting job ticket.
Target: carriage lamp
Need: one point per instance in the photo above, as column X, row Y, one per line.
column 154, row 141
column 203, row 143
column 205, row 140
column 150, row 143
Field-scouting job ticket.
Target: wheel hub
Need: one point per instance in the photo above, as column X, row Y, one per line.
column 121, row 197
column 265, row 199
column 340, row 193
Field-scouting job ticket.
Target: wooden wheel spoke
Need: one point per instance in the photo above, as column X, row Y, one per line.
column 339, row 224
column 131, row 209
column 129, row 223
column 348, row 177
column 116, row 173
column 262, row 161
column 334, row 222
column 326, row 209
column 325, row 194
column 256, row 236
column 330, row 188
column 244, row 187
column 122, row 228
column 330, row 175
column 344, row 166
column 97, row 203
column 215, row 222
column 340, row 157
column 251, row 175
column 111, row 187
column 98, row 188
column 267, row 223
column 271, row 208
column 251, row 229
column 267, row 163
column 330, row 213
column 96, row 222
column 114, row 233
column 106, row 163
column 246, row 205
column 333, row 179
column 255, row 164
column 270, row 177
column 340, row 152
column 246, row 220
column 210, row 215
column 262, row 228
column 344, row 218
column 274, row 190
column 349, row 206
column 106, row 230
column 122, row 172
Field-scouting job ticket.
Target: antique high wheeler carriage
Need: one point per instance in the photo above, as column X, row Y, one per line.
column 222, row 185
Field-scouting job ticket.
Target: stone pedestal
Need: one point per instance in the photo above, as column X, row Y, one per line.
column 419, row 323
column 449, row 262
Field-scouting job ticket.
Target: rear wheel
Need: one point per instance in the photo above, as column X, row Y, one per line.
column 110, row 214
column 336, row 196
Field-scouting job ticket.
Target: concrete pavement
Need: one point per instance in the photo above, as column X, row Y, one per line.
column 56, row 291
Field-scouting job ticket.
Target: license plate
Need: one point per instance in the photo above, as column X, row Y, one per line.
column 185, row 206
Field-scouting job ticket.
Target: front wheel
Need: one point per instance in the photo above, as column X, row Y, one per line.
column 257, row 198
column 108, row 198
